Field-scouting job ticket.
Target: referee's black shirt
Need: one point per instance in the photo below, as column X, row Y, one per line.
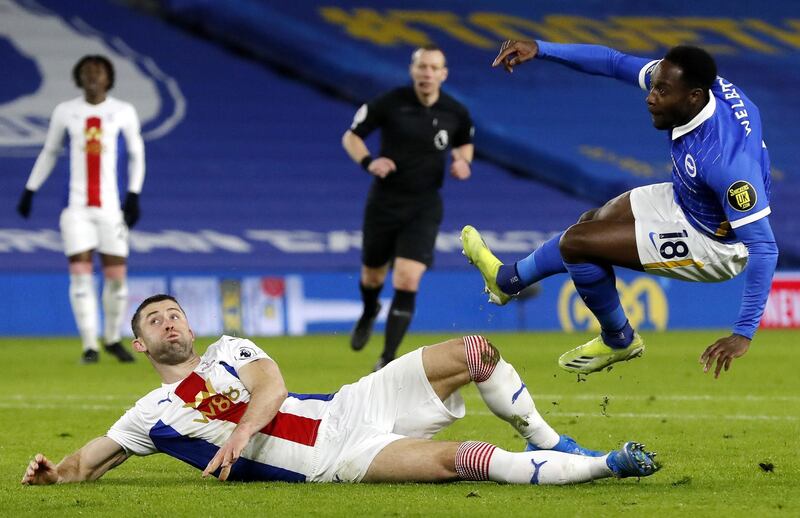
column 415, row 137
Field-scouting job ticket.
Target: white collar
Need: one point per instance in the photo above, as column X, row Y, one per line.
column 700, row 118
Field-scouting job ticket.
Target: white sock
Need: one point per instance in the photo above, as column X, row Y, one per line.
column 115, row 302
column 83, row 299
column 505, row 394
column 545, row 467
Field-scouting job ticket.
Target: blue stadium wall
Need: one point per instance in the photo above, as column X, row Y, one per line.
column 251, row 210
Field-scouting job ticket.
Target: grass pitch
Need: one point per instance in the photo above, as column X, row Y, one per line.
column 728, row 446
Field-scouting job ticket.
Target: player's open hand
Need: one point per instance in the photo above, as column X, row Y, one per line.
column 460, row 169
column 724, row 351
column 515, row 52
column 41, row 471
column 228, row 454
column 382, row 167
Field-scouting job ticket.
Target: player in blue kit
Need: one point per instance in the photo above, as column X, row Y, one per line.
column 705, row 225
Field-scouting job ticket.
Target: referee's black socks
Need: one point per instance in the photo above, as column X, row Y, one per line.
column 370, row 298
column 397, row 322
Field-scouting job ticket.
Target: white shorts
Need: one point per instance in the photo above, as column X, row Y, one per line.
column 92, row 228
column 395, row 402
column 671, row 247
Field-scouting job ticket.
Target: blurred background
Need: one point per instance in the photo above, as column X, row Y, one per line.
column 251, row 210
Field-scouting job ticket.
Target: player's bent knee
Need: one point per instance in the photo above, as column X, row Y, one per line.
column 482, row 357
column 572, row 244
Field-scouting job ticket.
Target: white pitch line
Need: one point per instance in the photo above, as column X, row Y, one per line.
column 536, row 397
column 670, row 397
column 622, row 415
column 64, row 406
column 71, row 397
column 665, row 397
column 632, row 415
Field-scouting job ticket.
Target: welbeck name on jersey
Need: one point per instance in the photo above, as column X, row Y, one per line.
column 741, row 114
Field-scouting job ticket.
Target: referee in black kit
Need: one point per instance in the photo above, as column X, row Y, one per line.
column 404, row 210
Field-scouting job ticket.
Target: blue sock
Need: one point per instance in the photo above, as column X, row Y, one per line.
column 597, row 287
column 508, row 279
column 543, row 262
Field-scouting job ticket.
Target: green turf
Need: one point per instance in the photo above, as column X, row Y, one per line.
column 711, row 435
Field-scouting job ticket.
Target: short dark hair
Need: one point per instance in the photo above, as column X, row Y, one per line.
column 146, row 302
column 93, row 58
column 430, row 47
column 699, row 68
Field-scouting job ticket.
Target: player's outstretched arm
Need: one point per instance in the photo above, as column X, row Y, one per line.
column 590, row 59
column 89, row 463
column 515, row 52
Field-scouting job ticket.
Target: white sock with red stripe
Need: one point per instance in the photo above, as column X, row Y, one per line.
column 477, row 460
column 83, row 299
column 115, row 301
column 504, row 392
column 473, row 459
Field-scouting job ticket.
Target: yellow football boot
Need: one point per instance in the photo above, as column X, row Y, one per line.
column 477, row 253
column 595, row 355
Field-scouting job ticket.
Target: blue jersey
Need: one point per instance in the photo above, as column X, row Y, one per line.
column 720, row 167
column 720, row 164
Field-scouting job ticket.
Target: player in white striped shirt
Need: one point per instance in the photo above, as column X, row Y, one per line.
column 92, row 219
column 229, row 414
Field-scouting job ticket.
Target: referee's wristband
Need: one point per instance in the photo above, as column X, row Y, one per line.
column 365, row 162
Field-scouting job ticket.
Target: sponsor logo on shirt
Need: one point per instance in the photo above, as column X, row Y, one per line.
column 741, row 196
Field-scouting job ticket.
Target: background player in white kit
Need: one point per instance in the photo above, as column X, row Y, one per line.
column 92, row 219
column 229, row 414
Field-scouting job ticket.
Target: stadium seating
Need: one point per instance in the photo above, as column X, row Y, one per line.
column 246, row 176
column 252, row 161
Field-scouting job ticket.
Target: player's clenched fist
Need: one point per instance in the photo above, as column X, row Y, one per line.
column 460, row 169
column 382, row 167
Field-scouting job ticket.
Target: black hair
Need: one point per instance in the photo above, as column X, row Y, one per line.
column 699, row 68
column 93, row 58
column 146, row 302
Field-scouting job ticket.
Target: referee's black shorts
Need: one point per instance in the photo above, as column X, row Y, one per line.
column 407, row 230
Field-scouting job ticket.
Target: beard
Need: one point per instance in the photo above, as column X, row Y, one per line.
column 173, row 353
